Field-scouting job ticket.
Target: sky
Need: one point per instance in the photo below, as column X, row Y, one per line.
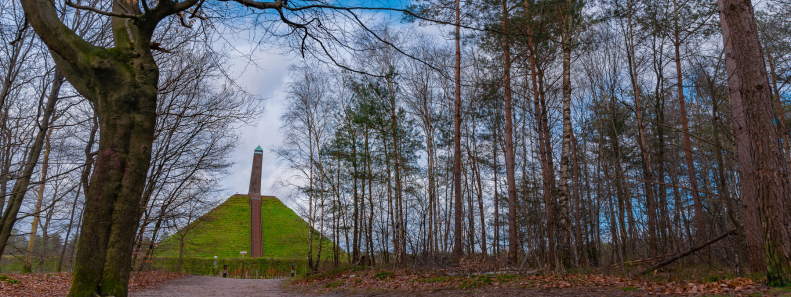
column 268, row 81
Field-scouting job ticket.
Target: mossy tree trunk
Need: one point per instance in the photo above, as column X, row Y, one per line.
column 121, row 82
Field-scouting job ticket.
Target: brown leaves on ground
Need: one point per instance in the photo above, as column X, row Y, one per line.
column 57, row 284
column 404, row 280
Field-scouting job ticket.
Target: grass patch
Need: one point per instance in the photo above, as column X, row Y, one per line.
column 383, row 275
column 225, row 231
column 334, row 284
column 4, row 278
column 504, row 278
column 441, row 279
column 630, row 289
column 14, row 263
column 475, row 282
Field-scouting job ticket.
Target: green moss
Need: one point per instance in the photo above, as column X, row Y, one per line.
column 383, row 275
column 441, row 279
column 474, row 282
column 225, row 231
column 334, row 284
column 504, row 278
column 118, row 55
column 4, row 278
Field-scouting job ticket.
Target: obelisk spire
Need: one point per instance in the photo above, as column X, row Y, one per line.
column 256, row 236
column 255, row 175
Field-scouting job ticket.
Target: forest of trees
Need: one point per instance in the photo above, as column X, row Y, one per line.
column 573, row 134
column 543, row 134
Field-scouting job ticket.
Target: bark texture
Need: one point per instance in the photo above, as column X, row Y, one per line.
column 564, row 227
column 121, row 82
column 764, row 173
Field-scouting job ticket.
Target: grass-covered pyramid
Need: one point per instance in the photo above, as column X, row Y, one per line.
column 225, row 231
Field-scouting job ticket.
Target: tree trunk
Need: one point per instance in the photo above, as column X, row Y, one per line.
column 21, row 185
column 45, row 233
column 457, row 242
column 763, row 170
column 12, row 71
column 546, row 172
column 781, row 112
column 112, row 209
column 356, row 213
column 700, row 219
column 495, row 197
column 513, row 231
column 121, row 82
column 619, row 180
column 563, row 187
column 577, row 208
column 646, row 158
column 26, row 266
column 741, row 252
column 472, row 152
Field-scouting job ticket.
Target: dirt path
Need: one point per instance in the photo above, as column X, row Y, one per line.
column 210, row 286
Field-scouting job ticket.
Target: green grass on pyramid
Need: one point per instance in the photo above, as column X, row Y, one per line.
column 225, row 231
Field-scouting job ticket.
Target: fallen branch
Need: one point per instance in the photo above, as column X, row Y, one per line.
column 689, row 252
column 641, row 261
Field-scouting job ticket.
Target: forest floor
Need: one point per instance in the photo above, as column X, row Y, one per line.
column 440, row 283
column 393, row 283
column 57, row 284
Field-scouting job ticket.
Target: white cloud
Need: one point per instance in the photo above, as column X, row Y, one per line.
column 267, row 80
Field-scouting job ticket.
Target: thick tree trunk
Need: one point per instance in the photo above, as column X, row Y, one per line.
column 764, row 172
column 121, row 82
column 112, row 208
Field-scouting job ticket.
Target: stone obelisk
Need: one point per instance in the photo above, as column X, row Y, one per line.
column 256, row 237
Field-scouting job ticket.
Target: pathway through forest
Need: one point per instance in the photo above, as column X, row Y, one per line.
column 210, row 286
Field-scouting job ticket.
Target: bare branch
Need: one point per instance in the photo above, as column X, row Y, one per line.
column 102, row 12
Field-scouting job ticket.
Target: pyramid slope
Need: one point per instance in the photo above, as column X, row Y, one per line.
column 225, row 231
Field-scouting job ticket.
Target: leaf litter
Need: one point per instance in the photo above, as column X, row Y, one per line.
column 57, row 284
column 427, row 281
